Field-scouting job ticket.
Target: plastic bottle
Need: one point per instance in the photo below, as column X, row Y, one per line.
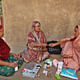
column 60, row 65
column 16, row 68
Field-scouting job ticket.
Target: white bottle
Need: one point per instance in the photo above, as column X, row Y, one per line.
column 55, row 63
column 16, row 68
column 59, row 69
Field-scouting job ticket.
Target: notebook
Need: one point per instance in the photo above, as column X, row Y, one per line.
column 70, row 73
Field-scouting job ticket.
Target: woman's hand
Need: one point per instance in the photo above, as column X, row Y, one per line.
column 13, row 64
column 15, row 55
column 51, row 45
column 66, row 56
column 44, row 44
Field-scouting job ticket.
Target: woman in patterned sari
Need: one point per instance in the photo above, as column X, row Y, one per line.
column 8, row 61
column 71, row 50
column 36, row 45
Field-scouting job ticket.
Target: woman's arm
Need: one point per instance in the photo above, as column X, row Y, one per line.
column 77, row 39
column 67, row 56
column 57, row 43
column 62, row 41
column 33, row 43
column 3, row 63
column 76, row 42
column 39, row 44
column 15, row 55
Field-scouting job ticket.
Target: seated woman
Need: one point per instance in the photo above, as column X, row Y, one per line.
column 7, row 59
column 71, row 50
column 36, row 45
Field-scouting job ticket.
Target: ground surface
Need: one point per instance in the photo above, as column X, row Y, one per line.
column 18, row 75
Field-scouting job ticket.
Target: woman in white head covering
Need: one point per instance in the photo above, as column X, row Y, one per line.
column 36, row 43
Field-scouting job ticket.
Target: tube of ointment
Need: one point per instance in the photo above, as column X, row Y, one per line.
column 16, row 68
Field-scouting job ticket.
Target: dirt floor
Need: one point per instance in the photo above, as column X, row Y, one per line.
column 18, row 75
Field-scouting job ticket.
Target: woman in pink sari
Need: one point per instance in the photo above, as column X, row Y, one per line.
column 36, row 45
column 71, row 50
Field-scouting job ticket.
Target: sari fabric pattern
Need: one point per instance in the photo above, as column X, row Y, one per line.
column 33, row 53
column 71, row 53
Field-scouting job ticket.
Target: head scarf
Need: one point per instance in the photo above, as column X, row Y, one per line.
column 35, row 23
column 79, row 29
